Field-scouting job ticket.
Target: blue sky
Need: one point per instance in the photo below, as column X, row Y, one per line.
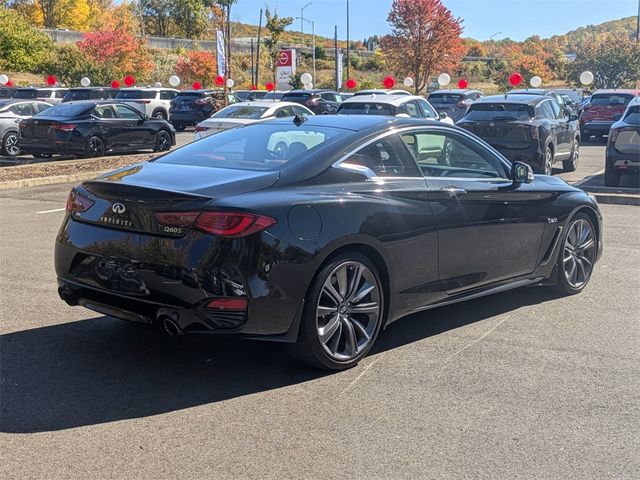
column 517, row 19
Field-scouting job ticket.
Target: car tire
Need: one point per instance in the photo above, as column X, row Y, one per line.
column 547, row 161
column 95, row 148
column 611, row 177
column 163, row 141
column 570, row 164
column 9, row 145
column 334, row 306
column 577, row 255
column 159, row 115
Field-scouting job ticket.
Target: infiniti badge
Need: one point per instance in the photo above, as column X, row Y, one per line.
column 118, row 208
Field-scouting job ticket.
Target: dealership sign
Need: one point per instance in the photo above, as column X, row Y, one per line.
column 285, row 68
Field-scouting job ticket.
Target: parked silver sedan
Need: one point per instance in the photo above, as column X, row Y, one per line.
column 12, row 112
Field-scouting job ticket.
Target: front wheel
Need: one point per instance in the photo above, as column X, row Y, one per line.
column 546, row 167
column 570, row 164
column 343, row 314
column 10, row 145
column 95, row 148
column 577, row 255
column 163, row 141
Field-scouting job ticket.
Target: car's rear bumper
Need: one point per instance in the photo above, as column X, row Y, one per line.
column 622, row 162
column 187, row 118
column 143, row 278
column 595, row 128
column 55, row 147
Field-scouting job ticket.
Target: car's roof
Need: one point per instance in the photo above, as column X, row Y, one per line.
column 627, row 91
column 125, row 89
column 314, row 90
column 358, row 123
column 92, row 88
column 250, row 91
column 532, row 91
column 42, row 88
column 10, row 101
column 203, row 90
column 455, row 90
column 387, row 99
column 266, row 104
column 532, row 99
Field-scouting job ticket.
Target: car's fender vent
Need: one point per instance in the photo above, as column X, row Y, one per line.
column 552, row 246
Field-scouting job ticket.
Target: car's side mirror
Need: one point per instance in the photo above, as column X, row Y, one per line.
column 521, row 173
column 442, row 115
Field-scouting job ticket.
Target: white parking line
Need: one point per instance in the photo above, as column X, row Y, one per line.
column 51, row 211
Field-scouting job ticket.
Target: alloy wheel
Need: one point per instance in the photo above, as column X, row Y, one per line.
column 11, row 145
column 579, row 253
column 96, row 147
column 548, row 162
column 348, row 310
column 163, row 142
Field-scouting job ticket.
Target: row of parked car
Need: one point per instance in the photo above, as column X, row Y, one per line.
column 538, row 126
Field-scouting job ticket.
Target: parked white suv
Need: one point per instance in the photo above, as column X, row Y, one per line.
column 52, row 95
column 154, row 101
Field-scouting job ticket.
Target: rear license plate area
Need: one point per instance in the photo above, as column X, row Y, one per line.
column 110, row 274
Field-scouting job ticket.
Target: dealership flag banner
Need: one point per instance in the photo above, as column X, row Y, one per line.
column 339, row 73
column 222, row 63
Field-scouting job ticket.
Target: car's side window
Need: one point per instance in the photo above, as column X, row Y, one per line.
column 41, row 107
column 128, row 113
column 23, row 109
column 386, row 158
column 285, row 112
column 557, row 111
column 60, row 93
column 329, row 97
column 547, row 110
column 300, row 111
column 167, row 95
column 104, row 111
column 412, row 109
column 440, row 154
column 427, row 109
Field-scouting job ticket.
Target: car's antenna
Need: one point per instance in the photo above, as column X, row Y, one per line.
column 299, row 120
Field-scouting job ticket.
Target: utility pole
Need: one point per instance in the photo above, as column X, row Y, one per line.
column 638, row 24
column 347, row 38
column 302, row 24
column 313, row 41
column 258, row 51
column 253, row 65
column 335, row 43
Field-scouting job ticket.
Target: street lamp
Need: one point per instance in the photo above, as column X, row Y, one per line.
column 302, row 24
column 497, row 33
column 313, row 44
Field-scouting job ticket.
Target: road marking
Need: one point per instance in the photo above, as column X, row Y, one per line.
column 51, row 211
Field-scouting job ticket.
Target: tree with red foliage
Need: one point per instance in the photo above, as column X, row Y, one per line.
column 424, row 40
column 198, row 66
column 118, row 52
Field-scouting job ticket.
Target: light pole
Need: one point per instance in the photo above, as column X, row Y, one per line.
column 302, row 24
column 348, row 39
column 497, row 33
column 313, row 44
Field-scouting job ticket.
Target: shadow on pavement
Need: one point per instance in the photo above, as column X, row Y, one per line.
column 104, row 370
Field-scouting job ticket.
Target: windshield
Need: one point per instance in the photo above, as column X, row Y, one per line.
column 66, row 110
column 256, row 147
column 241, row 111
column 499, row 112
column 272, row 95
column 610, row 99
column 297, row 96
column 26, row 94
column 633, row 115
column 136, row 94
column 367, row 108
column 445, row 98
column 77, row 95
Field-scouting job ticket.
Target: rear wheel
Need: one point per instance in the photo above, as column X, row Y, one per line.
column 10, row 144
column 570, row 164
column 577, row 255
column 163, row 141
column 95, row 148
column 343, row 314
column 547, row 161
column 160, row 115
column 611, row 177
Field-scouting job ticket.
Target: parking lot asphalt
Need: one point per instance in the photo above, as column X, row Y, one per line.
column 522, row 384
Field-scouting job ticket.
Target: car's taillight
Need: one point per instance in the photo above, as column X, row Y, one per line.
column 462, row 104
column 535, row 134
column 77, row 203
column 63, row 127
column 220, row 224
column 201, row 129
column 229, row 303
column 613, row 134
column 232, row 224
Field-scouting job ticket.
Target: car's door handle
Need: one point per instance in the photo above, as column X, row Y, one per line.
column 128, row 125
column 453, row 191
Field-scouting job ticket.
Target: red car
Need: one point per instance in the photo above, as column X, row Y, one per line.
column 604, row 109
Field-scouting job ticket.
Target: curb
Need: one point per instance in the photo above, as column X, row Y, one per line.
column 616, row 198
column 34, row 182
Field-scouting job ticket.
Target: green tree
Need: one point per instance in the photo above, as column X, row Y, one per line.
column 22, row 48
column 613, row 60
column 70, row 64
column 276, row 27
column 189, row 18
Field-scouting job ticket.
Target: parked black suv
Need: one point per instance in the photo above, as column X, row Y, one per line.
column 7, row 92
column 190, row 107
column 529, row 128
column 623, row 146
column 318, row 101
column 454, row 102
column 90, row 93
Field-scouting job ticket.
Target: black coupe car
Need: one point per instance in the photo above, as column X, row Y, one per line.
column 319, row 232
column 530, row 128
column 92, row 128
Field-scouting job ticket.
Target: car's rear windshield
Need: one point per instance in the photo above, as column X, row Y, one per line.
column 183, row 95
column 633, row 115
column 136, row 94
column 499, row 112
column 67, row 110
column 273, row 95
column 241, row 111
column 297, row 95
column 255, row 147
column 610, row 99
column 28, row 93
column 445, row 97
column 367, row 108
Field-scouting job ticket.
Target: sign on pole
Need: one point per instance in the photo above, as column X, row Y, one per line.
column 339, row 70
column 285, row 68
column 222, row 63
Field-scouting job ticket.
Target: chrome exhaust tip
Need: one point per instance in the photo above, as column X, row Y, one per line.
column 170, row 327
